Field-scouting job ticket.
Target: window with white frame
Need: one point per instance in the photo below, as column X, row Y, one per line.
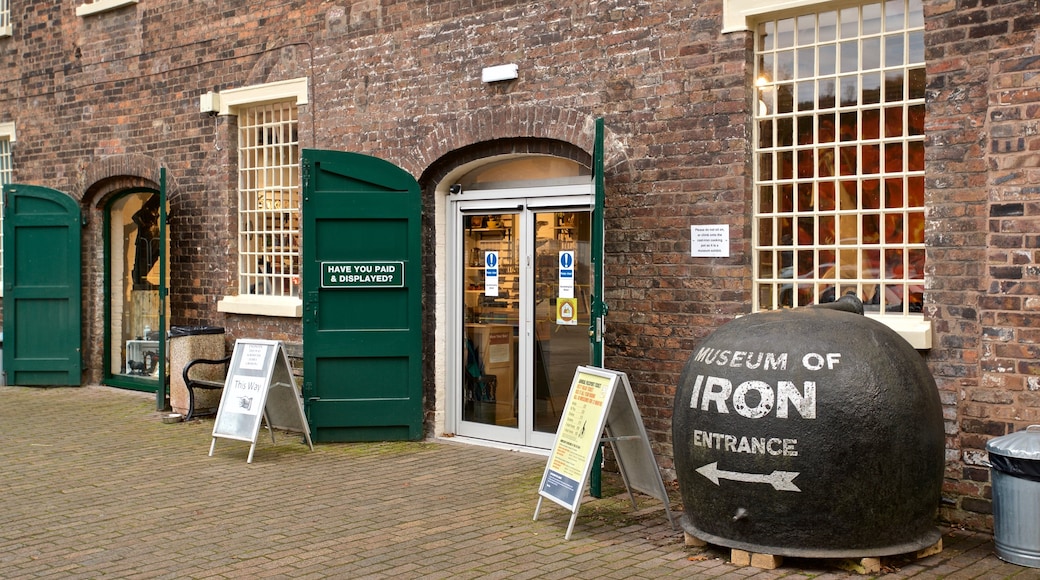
column 839, row 157
column 268, row 271
column 5, row 17
column 268, row 200
column 6, row 136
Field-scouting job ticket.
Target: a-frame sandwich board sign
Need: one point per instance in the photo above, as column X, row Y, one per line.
column 259, row 384
column 600, row 402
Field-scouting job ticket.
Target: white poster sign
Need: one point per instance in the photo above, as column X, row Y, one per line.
column 711, row 241
column 244, row 394
column 259, row 386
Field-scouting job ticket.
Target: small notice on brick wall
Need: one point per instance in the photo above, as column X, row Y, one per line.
column 711, row 241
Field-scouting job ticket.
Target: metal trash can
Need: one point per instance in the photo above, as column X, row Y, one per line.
column 188, row 343
column 1015, row 473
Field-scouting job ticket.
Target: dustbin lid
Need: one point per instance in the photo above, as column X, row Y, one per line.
column 1023, row 444
column 1017, row 453
column 176, row 331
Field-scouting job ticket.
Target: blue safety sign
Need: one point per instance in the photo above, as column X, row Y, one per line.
column 491, row 273
column 566, row 274
column 566, row 265
column 567, row 260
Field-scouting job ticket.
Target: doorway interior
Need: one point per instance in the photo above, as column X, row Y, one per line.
column 134, row 250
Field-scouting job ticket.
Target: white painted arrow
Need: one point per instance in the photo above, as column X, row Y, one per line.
column 780, row 480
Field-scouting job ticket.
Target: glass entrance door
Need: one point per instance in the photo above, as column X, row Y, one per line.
column 491, row 282
column 134, row 301
column 562, row 299
column 525, row 280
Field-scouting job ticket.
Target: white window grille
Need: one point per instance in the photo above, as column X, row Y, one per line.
column 839, row 157
column 269, row 200
column 5, row 17
column 5, row 178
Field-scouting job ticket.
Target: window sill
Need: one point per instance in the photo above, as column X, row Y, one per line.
column 283, row 306
column 917, row 330
column 99, row 6
column 914, row 328
column 6, row 30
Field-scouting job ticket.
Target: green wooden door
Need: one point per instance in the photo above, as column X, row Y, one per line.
column 41, row 287
column 599, row 306
column 362, row 275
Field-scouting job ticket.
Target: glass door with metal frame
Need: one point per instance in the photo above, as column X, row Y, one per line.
column 524, row 274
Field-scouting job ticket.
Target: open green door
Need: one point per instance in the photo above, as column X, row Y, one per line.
column 362, row 275
column 41, row 287
column 164, row 292
column 599, row 307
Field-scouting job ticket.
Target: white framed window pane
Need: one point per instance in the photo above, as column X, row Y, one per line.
column 895, row 15
column 871, row 50
column 828, row 26
column 871, row 23
column 785, row 33
column 839, row 158
column 849, row 60
column 827, row 59
column 269, row 201
column 849, row 18
column 5, row 16
column 5, row 178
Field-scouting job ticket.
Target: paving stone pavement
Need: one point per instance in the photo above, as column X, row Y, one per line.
column 94, row 485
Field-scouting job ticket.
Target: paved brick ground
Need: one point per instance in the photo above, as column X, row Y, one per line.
column 94, row 485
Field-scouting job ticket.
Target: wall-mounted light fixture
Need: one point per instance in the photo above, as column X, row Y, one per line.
column 503, row 72
column 209, row 103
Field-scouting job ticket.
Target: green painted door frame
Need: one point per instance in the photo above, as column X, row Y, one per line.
column 362, row 292
column 42, row 287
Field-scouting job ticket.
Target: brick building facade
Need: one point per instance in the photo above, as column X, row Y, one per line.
column 97, row 100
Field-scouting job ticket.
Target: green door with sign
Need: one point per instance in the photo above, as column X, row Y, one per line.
column 362, row 275
column 41, row 287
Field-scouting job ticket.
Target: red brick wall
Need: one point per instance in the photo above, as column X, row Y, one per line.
column 983, row 188
column 105, row 100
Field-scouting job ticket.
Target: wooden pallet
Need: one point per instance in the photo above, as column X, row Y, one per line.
column 869, row 565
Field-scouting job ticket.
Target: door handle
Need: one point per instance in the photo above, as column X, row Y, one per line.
column 596, row 329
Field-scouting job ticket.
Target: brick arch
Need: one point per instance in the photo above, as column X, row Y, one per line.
column 478, row 130
column 119, row 172
column 484, row 150
column 279, row 62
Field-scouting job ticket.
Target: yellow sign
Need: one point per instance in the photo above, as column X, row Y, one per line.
column 594, row 408
column 578, row 432
column 567, row 311
column 581, row 427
